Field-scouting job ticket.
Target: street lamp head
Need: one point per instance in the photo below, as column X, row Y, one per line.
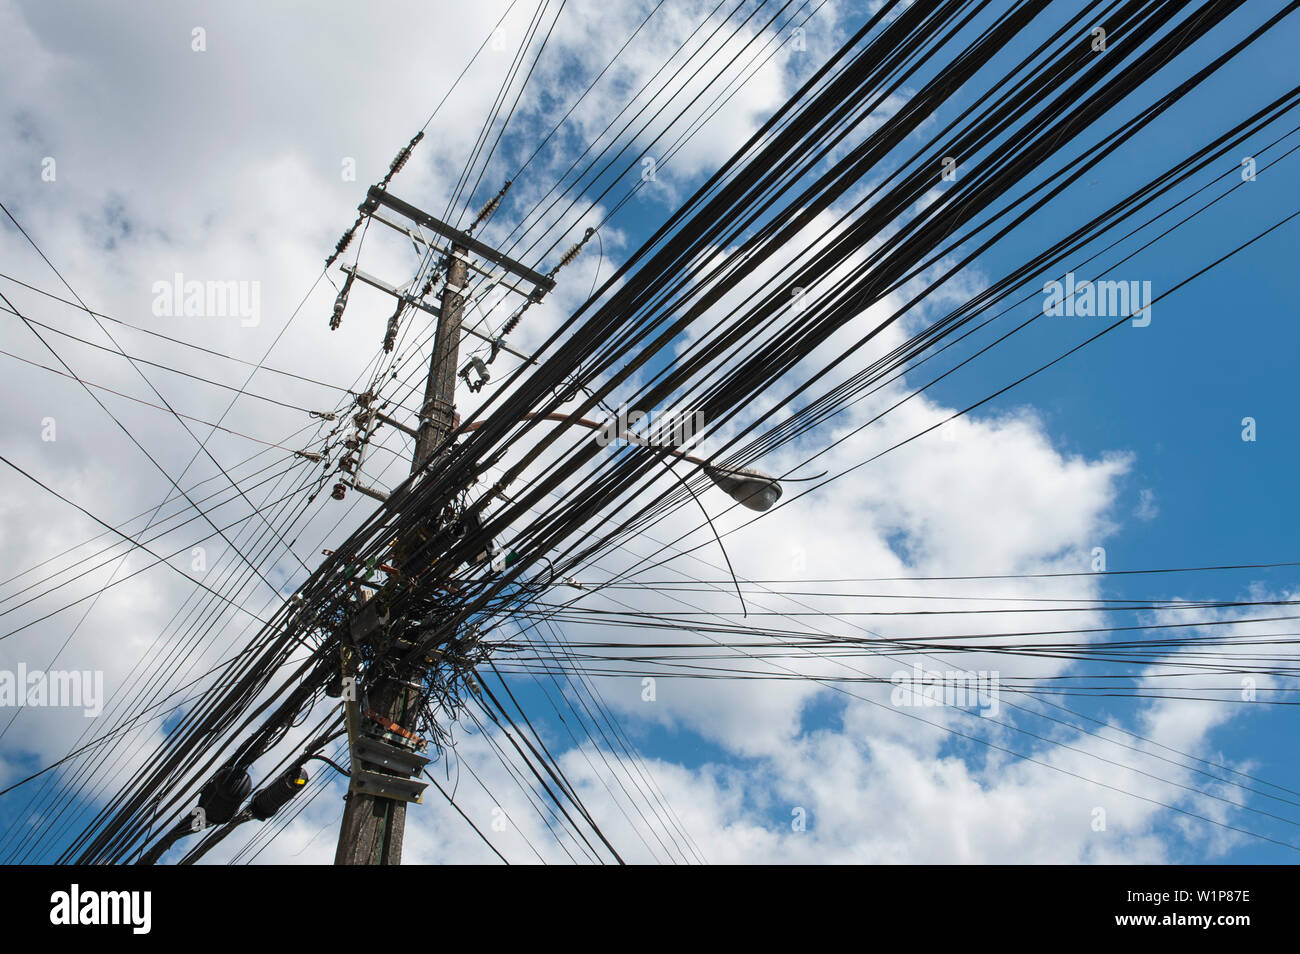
column 748, row 487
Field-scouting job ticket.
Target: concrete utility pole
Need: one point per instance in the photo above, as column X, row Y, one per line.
column 373, row 826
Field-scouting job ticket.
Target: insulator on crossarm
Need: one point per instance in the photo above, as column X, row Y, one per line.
column 345, row 241
column 342, row 245
column 492, row 205
column 508, row 327
column 573, row 253
column 513, row 320
column 402, row 156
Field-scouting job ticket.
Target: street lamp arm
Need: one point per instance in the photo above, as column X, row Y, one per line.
column 748, row 487
column 597, row 426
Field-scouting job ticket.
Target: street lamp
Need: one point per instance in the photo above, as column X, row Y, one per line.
column 748, row 487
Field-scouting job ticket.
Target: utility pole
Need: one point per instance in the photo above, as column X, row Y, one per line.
column 382, row 714
column 373, row 825
column 438, row 411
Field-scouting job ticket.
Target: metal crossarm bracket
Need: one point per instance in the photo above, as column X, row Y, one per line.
column 393, row 290
column 423, row 305
column 388, row 786
column 379, row 768
column 416, row 237
column 375, row 755
column 377, row 197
